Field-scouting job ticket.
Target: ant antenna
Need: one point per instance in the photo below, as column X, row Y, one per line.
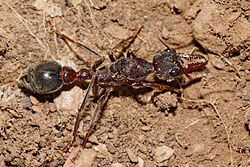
column 164, row 43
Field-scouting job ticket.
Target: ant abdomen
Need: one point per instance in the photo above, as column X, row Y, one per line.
column 49, row 76
column 43, row 77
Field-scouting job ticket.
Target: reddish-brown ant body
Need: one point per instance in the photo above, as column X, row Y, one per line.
column 49, row 76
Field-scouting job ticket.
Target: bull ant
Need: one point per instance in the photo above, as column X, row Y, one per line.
column 49, row 76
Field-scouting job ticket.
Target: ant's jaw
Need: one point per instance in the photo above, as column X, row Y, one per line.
column 191, row 62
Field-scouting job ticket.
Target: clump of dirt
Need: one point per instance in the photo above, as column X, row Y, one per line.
column 206, row 124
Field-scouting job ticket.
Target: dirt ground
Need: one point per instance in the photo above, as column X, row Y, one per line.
column 206, row 125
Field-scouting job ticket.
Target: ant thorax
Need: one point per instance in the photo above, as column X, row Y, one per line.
column 124, row 71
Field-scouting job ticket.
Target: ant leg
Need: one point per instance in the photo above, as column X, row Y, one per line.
column 101, row 102
column 130, row 53
column 155, row 86
column 123, row 46
column 76, row 126
column 96, row 89
column 111, row 55
column 64, row 37
column 97, row 63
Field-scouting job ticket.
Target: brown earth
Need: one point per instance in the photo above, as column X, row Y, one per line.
column 207, row 126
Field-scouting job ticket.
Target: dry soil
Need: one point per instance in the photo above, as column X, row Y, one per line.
column 206, row 125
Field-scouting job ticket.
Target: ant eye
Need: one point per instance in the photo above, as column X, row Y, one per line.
column 173, row 72
column 169, row 51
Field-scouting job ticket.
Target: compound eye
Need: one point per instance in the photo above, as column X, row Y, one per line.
column 169, row 51
column 173, row 72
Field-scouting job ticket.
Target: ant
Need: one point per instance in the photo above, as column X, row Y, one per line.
column 49, row 76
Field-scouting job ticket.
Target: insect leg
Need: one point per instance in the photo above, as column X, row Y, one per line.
column 97, row 63
column 155, row 86
column 101, row 102
column 130, row 53
column 64, row 37
column 122, row 46
column 76, row 126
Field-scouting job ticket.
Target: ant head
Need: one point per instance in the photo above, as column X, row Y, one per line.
column 167, row 65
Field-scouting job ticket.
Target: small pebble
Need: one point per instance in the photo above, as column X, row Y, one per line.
column 146, row 128
column 57, row 122
column 248, row 78
column 110, row 135
column 119, row 155
column 188, row 153
column 36, row 108
column 111, row 148
column 243, row 56
column 199, row 147
column 88, row 145
column 132, row 156
column 247, row 114
column 117, row 143
column 105, row 162
column 142, row 148
column 20, row 163
column 116, row 165
column 85, row 158
column 26, row 102
column 245, row 103
column 101, row 148
column 162, row 138
column 211, row 156
column 117, row 123
column 60, row 145
column 33, row 100
column 243, row 83
column 59, row 134
column 246, row 97
column 147, row 47
column 55, row 163
column 69, row 100
column 217, row 63
column 52, row 107
column 163, row 153
column 93, row 139
column 141, row 162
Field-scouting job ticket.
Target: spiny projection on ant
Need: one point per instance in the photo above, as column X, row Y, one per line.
column 49, row 76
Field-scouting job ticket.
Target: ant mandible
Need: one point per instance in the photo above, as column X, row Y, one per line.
column 49, row 76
